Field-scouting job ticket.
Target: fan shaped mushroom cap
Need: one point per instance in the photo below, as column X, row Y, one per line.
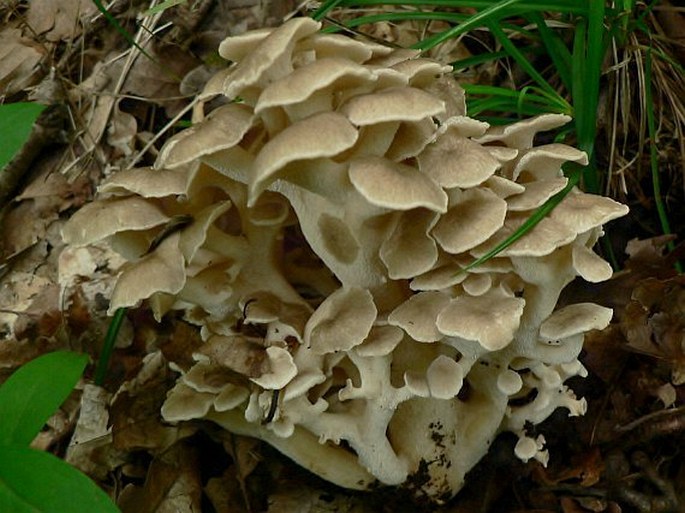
column 509, row 382
column 382, row 340
column 520, row 134
column 536, row 193
column 160, row 272
column 223, row 128
column 590, row 266
column 445, row 377
column 392, row 104
column 580, row 211
column 237, row 47
column 417, row 316
column 269, row 59
column 322, row 135
column 186, row 403
column 336, row 45
column 544, row 162
column 491, row 319
column 341, row 322
column 409, row 250
column 393, row 185
column 318, row 75
column 574, row 319
column 147, row 182
column 421, row 72
column 282, row 369
column 472, row 219
column 101, row 219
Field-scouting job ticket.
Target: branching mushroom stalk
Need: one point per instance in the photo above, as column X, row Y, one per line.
column 339, row 191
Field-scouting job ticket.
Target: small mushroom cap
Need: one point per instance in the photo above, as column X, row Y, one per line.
column 418, row 315
column 322, row 135
column 336, row 45
column 392, row 104
column 491, row 319
column 303, row 82
column 509, row 382
column 409, row 250
column 581, row 212
column 477, row 284
column 185, row 403
column 160, row 272
column 147, row 182
column 471, row 220
column 269, row 59
column 382, row 340
column 536, row 194
column 544, row 162
column 421, row 72
column 503, row 187
column 397, row 186
column 520, row 134
column 223, row 128
column 445, row 377
column 231, row 396
column 101, row 219
column 282, row 369
column 416, row 383
column 341, row 322
column 574, row 319
column 590, row 265
column 236, row 48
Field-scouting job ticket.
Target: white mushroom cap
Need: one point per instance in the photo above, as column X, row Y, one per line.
column 223, row 128
column 491, row 319
column 509, row 382
column 421, row 72
column 473, row 218
column 397, row 186
column 581, row 212
column 574, row 319
column 230, row 397
column 527, row 448
column 544, row 162
column 160, row 272
column 416, row 383
column 147, row 182
column 382, row 340
column 445, row 377
column 236, row 48
column 322, row 135
column 282, row 369
column 443, row 275
column 392, row 104
column 503, row 187
column 590, row 265
column 267, row 61
column 410, row 251
column 536, row 194
column 477, row 284
column 341, row 322
column 418, row 315
column 185, row 403
column 336, row 45
column 520, row 134
column 303, row 83
column 101, row 219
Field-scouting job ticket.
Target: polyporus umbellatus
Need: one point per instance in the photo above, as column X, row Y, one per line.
column 317, row 225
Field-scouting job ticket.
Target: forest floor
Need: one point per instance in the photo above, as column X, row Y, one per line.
column 111, row 108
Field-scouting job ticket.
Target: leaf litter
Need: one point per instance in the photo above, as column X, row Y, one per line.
column 622, row 456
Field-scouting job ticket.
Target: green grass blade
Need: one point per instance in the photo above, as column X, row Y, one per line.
column 479, row 19
column 529, row 223
column 653, row 154
column 16, row 121
column 124, row 33
column 33, row 481
column 163, row 6
column 327, row 6
column 33, row 392
column 108, row 347
column 555, row 48
column 563, row 6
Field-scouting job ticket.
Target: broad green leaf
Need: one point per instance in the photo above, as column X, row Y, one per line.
column 33, row 481
column 34, row 392
column 16, row 120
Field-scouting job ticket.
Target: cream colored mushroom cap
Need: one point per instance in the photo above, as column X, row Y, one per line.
column 397, row 186
column 101, row 219
column 282, row 369
column 321, row 135
column 445, row 377
column 392, row 104
column 491, row 319
column 472, row 219
column 147, row 182
column 418, row 315
column 580, row 211
column 341, row 322
column 574, row 319
column 520, row 134
column 223, row 128
column 186, row 403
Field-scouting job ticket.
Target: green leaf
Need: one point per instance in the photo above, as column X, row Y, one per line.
column 16, row 120
column 33, row 481
column 34, row 392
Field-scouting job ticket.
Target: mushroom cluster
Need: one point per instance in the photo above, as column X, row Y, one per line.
column 316, row 224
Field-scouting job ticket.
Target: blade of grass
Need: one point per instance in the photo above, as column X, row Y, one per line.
column 653, row 155
column 530, row 223
column 108, row 347
column 555, row 48
column 124, row 33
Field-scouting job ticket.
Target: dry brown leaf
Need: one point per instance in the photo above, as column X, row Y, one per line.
column 19, row 60
column 61, row 20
